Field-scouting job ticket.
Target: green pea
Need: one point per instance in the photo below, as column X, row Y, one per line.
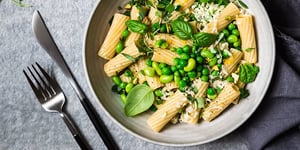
column 165, row 78
column 192, row 55
column 123, row 98
column 149, row 71
column 117, row 80
column 176, row 61
column 164, row 45
column 182, row 83
column 123, row 85
column 128, row 87
column 163, row 28
column 210, row 91
column 186, row 48
column 182, row 63
column 235, row 32
column 225, row 54
column 205, row 71
column 162, row 65
column 199, row 68
column 191, row 65
column 173, row 49
column 158, row 43
column 232, row 38
column 181, row 71
column 156, row 68
column 213, row 62
column 176, row 79
column 149, row 62
column 173, row 68
column 226, row 32
column 125, row 33
column 184, row 56
column 119, row 47
column 204, row 78
column 230, row 79
column 186, row 79
column 179, row 50
column 215, row 73
column 231, row 26
column 166, row 71
column 128, row 73
column 158, row 93
column 192, row 74
column 237, row 43
column 206, row 53
column 199, row 59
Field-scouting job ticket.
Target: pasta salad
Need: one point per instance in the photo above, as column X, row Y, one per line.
column 185, row 60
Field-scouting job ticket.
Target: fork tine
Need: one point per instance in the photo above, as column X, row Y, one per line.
column 37, row 93
column 52, row 82
column 47, row 88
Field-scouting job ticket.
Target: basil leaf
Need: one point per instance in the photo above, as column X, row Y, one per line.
column 128, row 57
column 204, row 39
column 182, row 29
column 136, row 26
column 248, row 72
column 139, row 99
column 244, row 93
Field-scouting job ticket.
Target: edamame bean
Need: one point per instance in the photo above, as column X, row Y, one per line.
column 206, row 53
column 190, row 66
column 149, row 71
column 232, row 38
column 165, row 78
column 128, row 87
column 117, row 80
column 156, row 68
column 119, row 47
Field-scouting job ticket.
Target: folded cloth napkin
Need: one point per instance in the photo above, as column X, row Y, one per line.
column 275, row 124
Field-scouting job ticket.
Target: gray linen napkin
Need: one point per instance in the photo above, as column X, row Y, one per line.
column 275, row 124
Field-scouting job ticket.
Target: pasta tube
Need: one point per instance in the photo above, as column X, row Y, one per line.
column 120, row 62
column 152, row 15
column 154, row 82
column 136, row 70
column 107, row 50
column 167, row 111
column 225, row 17
column 247, row 34
column 164, row 56
column 232, row 62
column 229, row 93
column 201, row 87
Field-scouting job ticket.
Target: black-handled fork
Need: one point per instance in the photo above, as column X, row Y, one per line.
column 52, row 98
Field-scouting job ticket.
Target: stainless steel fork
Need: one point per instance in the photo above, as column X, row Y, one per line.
column 51, row 96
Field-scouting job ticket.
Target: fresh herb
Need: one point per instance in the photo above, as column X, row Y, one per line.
column 200, row 102
column 136, row 26
column 248, row 72
column 244, row 93
column 203, row 39
column 129, row 57
column 20, row 3
column 243, row 4
column 139, row 99
column 249, row 49
column 182, row 29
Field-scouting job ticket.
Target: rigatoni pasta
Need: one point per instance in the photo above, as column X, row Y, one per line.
column 107, row 50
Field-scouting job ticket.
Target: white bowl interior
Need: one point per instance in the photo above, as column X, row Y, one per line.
column 182, row 134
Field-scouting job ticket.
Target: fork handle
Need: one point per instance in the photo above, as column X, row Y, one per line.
column 76, row 134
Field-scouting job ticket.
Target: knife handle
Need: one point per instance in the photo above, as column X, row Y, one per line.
column 99, row 125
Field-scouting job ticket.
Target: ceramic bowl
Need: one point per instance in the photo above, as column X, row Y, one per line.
column 180, row 134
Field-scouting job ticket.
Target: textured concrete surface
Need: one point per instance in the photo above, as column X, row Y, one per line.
column 23, row 122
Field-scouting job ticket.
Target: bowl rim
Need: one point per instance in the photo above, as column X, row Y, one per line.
column 87, row 77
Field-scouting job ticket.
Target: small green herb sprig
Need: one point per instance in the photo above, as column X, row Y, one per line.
column 20, row 3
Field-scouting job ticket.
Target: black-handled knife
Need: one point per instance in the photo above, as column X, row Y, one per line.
column 45, row 39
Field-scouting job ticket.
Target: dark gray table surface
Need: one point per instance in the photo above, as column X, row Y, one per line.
column 23, row 122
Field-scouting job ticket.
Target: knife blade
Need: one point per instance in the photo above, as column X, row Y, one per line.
column 46, row 41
